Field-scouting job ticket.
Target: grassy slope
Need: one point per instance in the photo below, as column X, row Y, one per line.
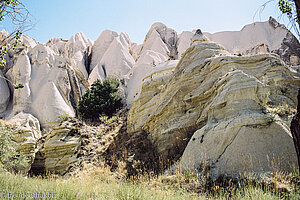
column 102, row 184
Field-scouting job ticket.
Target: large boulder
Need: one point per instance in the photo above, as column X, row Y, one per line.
column 239, row 136
column 226, row 97
column 26, row 135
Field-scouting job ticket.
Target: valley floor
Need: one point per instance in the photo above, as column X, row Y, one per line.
column 100, row 183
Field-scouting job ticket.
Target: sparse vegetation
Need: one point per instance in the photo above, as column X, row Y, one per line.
column 100, row 99
column 10, row 159
column 63, row 117
column 101, row 183
column 282, row 110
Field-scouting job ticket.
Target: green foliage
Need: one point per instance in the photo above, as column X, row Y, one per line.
column 101, row 98
column 8, row 8
column 285, row 7
column 63, row 117
column 18, row 86
column 10, row 159
column 288, row 8
column 106, row 120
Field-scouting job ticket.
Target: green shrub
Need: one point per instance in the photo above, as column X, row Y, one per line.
column 10, row 159
column 101, row 98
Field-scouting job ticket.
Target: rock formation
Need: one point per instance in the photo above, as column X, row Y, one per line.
column 273, row 35
column 4, row 91
column 213, row 109
column 70, row 144
column 117, row 65
column 52, row 85
column 26, row 135
column 225, row 104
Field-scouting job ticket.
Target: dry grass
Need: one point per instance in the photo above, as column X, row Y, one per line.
column 100, row 183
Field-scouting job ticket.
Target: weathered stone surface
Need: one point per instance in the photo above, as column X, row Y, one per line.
column 5, row 94
column 158, row 52
column 116, row 61
column 100, row 47
column 275, row 36
column 238, row 136
column 135, row 50
column 51, row 87
column 161, row 39
column 60, row 148
column 71, row 143
column 222, row 95
column 184, row 42
column 26, row 135
column 138, row 73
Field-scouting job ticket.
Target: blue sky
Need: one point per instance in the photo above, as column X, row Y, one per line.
column 63, row 18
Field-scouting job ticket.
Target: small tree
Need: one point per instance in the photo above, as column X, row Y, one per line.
column 101, row 98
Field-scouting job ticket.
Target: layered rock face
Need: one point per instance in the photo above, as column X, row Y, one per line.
column 158, row 52
column 58, row 150
column 217, row 104
column 70, row 144
column 26, row 135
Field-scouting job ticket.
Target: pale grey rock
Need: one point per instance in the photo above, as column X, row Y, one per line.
column 100, row 47
column 135, row 50
column 167, row 35
column 152, row 58
column 58, row 45
column 3, row 34
column 139, row 73
column 271, row 34
column 51, row 86
column 77, row 49
column 78, row 61
column 116, row 61
column 154, row 42
column 21, row 73
column 184, row 42
column 28, row 42
column 77, row 42
column 5, row 94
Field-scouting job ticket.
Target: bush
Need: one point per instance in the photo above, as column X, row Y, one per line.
column 10, row 159
column 101, row 98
